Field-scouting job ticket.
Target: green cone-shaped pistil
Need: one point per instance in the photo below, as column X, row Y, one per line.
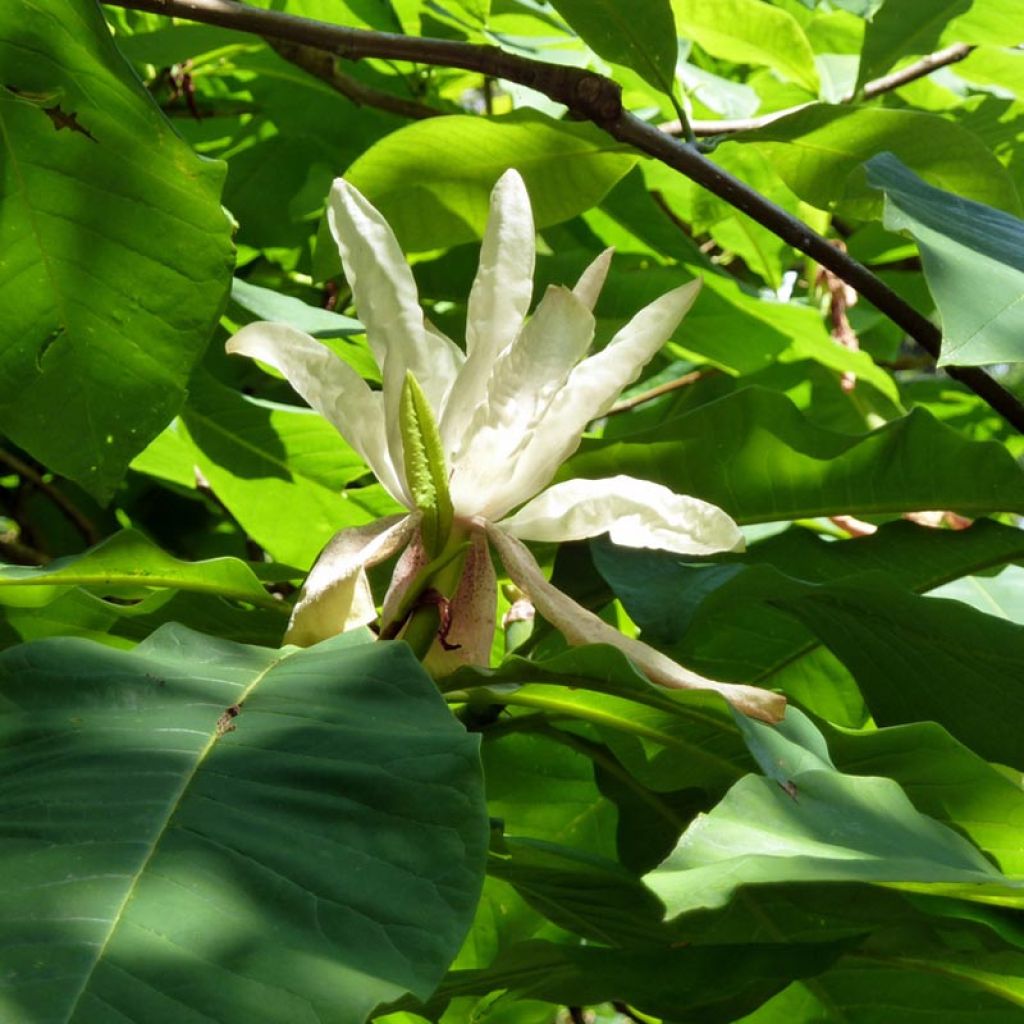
column 425, row 471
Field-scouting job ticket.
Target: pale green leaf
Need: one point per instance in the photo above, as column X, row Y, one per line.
column 432, row 202
column 750, row 32
column 816, row 824
column 128, row 563
column 973, row 259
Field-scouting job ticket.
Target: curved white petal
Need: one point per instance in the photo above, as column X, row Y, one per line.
column 635, row 514
column 591, row 281
column 498, row 301
column 336, row 596
column 523, row 384
column 329, row 385
column 503, row 286
column 450, row 355
column 388, row 304
column 595, row 384
column 580, row 626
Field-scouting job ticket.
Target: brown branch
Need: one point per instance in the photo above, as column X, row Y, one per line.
column 321, row 64
column 79, row 520
column 925, row 66
column 587, row 94
column 597, row 99
column 15, row 551
column 656, row 392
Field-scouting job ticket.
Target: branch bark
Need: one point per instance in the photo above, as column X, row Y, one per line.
column 912, row 72
column 321, row 64
column 597, row 99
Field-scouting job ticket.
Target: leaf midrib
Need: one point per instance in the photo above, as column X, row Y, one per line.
column 154, row 846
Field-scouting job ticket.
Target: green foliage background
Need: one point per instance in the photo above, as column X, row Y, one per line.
column 199, row 826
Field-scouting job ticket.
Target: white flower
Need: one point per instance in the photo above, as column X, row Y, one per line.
column 505, row 415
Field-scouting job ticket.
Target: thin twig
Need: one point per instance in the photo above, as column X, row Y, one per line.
column 17, row 552
column 662, row 389
column 79, row 520
column 587, row 94
column 925, row 66
column 322, row 65
column 597, row 99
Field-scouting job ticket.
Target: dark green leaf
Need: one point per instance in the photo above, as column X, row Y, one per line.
column 591, row 896
column 711, row 984
column 201, row 831
column 917, row 659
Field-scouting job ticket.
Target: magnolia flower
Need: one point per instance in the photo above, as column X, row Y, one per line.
column 469, row 441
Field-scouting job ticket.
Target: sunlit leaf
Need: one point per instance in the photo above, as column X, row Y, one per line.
column 117, row 253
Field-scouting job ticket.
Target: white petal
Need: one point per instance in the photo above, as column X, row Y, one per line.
column 498, row 301
column 336, row 596
column 523, row 383
column 388, row 304
column 501, row 292
column 591, row 281
column 452, row 357
column 329, row 385
column 595, row 384
column 635, row 513
column 580, row 626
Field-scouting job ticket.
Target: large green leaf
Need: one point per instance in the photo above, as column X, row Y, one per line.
column 973, row 259
column 770, row 464
column 805, row 821
column 321, row 856
column 80, row 613
column 592, row 896
column 431, row 201
column 904, row 967
column 904, row 28
column 712, row 984
column 748, row 32
column 117, row 253
column 641, row 36
column 919, row 658
column 818, row 152
column 128, row 564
